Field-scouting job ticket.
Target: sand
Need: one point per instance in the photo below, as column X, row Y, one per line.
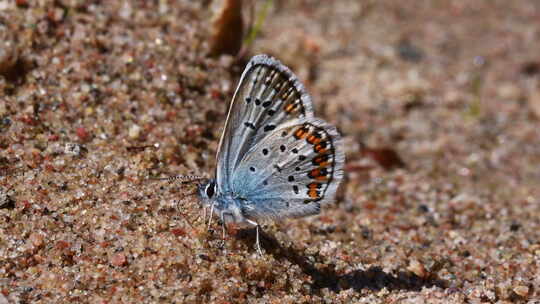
column 438, row 103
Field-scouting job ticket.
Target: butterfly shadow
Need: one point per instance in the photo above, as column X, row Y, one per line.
column 373, row 278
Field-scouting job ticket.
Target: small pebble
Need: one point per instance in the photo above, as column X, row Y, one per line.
column 134, row 132
column 417, row 268
column 521, row 290
column 36, row 238
column 82, row 133
column 119, row 259
column 73, row 149
column 6, row 201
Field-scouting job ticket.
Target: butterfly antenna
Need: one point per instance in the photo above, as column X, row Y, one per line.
column 181, row 178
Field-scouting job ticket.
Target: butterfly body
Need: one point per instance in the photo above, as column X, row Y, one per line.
column 230, row 208
column 275, row 158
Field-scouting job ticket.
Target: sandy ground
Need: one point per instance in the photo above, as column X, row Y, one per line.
column 438, row 102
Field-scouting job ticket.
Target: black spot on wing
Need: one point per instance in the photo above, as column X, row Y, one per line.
column 269, row 128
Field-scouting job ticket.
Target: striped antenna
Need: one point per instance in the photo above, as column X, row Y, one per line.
column 181, row 178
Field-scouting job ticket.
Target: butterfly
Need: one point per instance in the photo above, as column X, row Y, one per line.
column 275, row 159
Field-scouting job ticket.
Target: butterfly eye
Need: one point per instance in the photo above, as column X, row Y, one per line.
column 210, row 189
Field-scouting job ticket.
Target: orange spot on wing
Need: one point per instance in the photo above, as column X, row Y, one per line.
column 315, row 173
column 318, row 174
column 313, row 193
column 300, row 133
column 320, row 147
column 289, row 108
column 313, row 186
column 313, row 139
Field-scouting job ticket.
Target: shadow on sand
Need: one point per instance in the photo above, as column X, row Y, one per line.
column 373, row 278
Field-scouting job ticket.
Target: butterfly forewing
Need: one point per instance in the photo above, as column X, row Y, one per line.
column 268, row 97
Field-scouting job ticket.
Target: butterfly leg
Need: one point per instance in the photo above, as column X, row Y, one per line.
column 223, row 228
column 211, row 214
column 222, row 217
column 257, row 242
column 204, row 214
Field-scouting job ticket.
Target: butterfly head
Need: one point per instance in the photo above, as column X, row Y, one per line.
column 227, row 207
column 208, row 190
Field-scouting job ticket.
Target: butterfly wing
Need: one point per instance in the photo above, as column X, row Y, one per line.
column 267, row 97
column 291, row 172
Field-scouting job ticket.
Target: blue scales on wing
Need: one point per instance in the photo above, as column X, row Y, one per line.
column 274, row 155
column 291, row 172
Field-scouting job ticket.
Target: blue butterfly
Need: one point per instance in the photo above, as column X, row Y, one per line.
column 275, row 158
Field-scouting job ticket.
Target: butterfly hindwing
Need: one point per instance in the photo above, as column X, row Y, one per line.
column 292, row 171
column 268, row 97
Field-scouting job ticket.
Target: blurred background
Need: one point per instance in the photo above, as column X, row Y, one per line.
column 438, row 103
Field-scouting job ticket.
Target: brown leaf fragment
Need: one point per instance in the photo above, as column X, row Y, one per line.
column 227, row 29
column 386, row 157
